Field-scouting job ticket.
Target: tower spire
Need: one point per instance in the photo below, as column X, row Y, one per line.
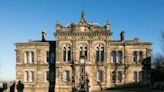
column 83, row 21
column 83, row 15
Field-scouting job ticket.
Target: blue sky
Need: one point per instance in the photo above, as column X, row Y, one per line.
column 21, row 20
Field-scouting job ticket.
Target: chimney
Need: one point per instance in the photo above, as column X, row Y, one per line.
column 122, row 36
column 43, row 36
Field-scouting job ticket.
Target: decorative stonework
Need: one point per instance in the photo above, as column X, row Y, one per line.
column 75, row 35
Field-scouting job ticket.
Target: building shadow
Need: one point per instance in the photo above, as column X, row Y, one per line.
column 52, row 73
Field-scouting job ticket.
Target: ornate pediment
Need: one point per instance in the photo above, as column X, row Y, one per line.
column 83, row 26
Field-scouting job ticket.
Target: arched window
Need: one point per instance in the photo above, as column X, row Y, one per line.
column 67, row 53
column 113, row 57
column 64, row 54
column 119, row 57
column 135, row 57
column 113, row 76
column 100, row 53
column 140, row 56
column 97, row 54
column 32, row 57
column 66, row 76
column 135, row 76
column 100, row 76
column 83, row 50
column 120, row 76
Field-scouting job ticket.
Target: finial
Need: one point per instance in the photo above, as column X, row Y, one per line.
column 107, row 26
column 58, row 26
column 83, row 21
column 83, row 15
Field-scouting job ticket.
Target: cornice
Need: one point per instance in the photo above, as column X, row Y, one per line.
column 96, row 33
column 124, row 43
column 33, row 44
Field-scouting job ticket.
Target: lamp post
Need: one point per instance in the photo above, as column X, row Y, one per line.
column 83, row 76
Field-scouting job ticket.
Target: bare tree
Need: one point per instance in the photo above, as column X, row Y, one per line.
column 162, row 41
column 158, row 63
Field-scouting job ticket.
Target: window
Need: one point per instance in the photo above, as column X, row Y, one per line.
column 47, row 56
column 135, row 57
column 83, row 50
column 113, row 57
column 140, row 76
column 100, row 76
column 32, row 57
column 135, row 76
column 120, row 76
column 26, row 76
column 140, row 56
column 119, row 57
column 66, row 76
column 26, row 57
column 113, row 76
column 66, row 53
column 29, row 57
column 100, row 53
column 69, row 54
column 97, row 55
column 29, row 76
column 32, row 76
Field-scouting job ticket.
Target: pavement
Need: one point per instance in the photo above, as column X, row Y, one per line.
column 134, row 90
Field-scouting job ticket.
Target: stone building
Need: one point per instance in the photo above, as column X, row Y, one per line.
column 55, row 65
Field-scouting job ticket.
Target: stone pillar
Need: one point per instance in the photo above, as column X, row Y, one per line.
column 25, row 57
column 138, row 57
column 30, row 57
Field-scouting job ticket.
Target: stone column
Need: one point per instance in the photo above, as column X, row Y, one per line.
column 30, row 57
column 25, row 57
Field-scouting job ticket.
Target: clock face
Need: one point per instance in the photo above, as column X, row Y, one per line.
column 82, row 61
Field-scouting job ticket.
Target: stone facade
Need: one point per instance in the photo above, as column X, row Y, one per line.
column 109, row 63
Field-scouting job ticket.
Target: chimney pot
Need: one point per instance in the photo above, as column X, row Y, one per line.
column 122, row 36
column 43, row 36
